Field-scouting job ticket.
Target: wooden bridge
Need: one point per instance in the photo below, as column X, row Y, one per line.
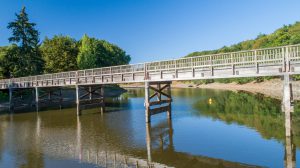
column 157, row 76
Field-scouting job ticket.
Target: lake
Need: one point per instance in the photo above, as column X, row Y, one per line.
column 209, row 128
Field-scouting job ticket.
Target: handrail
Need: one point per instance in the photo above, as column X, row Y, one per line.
column 275, row 55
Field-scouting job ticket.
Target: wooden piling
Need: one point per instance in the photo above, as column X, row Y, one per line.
column 147, row 105
column 287, row 95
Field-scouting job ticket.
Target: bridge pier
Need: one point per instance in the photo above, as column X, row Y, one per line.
column 162, row 93
column 48, row 95
column 88, row 96
column 287, row 99
column 18, row 98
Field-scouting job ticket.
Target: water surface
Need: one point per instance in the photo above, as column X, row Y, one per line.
column 208, row 128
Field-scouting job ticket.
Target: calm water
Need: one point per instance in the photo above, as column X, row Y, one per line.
column 208, row 129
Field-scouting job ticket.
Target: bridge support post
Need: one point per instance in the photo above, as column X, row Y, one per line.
column 147, row 106
column 89, row 96
column 162, row 93
column 19, row 97
column 287, row 94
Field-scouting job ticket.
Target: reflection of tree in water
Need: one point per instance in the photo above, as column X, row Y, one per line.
column 136, row 92
column 160, row 148
column 255, row 111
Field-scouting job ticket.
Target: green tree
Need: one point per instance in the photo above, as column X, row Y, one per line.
column 27, row 58
column 3, row 67
column 94, row 53
column 59, row 54
column 24, row 31
column 10, row 63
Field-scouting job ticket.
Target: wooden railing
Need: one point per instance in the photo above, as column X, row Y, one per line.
column 286, row 58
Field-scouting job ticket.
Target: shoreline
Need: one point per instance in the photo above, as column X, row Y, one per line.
column 270, row 88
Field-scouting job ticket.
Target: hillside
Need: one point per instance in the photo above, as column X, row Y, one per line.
column 286, row 35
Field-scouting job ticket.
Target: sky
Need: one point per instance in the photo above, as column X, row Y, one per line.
column 153, row 30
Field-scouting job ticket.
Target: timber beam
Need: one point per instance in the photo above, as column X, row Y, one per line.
column 287, row 99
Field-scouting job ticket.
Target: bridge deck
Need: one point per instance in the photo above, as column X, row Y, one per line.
column 251, row 63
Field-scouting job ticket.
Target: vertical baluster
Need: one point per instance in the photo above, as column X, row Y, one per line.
column 287, row 59
column 211, row 66
column 232, row 64
column 176, row 71
column 111, row 74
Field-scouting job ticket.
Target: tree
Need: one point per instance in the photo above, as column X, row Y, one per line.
column 3, row 68
column 88, row 51
column 9, row 62
column 24, row 31
column 59, row 54
column 94, row 53
column 26, row 55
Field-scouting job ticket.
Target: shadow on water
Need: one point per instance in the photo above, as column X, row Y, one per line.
column 121, row 137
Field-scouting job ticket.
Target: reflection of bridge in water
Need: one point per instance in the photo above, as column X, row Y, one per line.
column 72, row 138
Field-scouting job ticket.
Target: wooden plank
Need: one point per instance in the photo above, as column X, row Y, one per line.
column 92, row 101
column 153, row 95
column 159, row 110
column 160, row 102
column 159, row 82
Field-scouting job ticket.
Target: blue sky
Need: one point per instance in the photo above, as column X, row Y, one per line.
column 151, row 30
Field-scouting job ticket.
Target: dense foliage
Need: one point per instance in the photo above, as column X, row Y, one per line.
column 60, row 54
column 26, row 56
column 96, row 53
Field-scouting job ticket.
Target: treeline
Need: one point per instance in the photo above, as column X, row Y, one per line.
column 26, row 55
column 286, row 35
